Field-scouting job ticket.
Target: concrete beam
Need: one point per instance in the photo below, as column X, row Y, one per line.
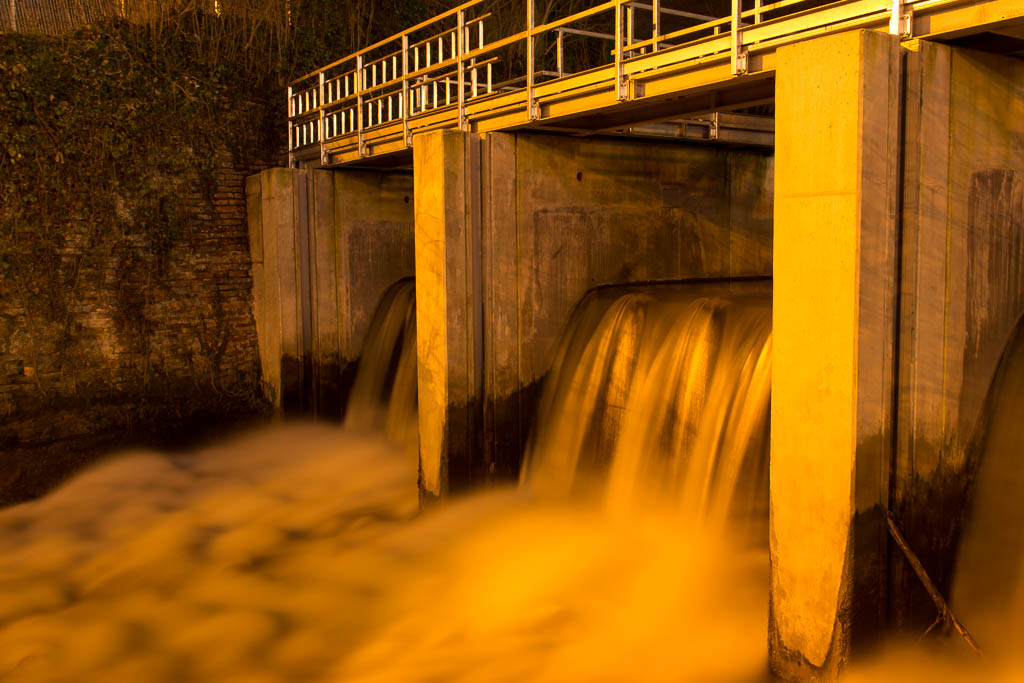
column 276, row 206
column 836, row 192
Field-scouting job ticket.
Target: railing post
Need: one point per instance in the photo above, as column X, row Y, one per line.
column 461, row 49
column 531, row 104
column 406, row 107
column 656, row 23
column 738, row 55
column 757, row 11
column 630, row 22
column 560, row 52
column 291, row 128
column 360, row 77
column 899, row 21
column 621, row 87
column 321, row 122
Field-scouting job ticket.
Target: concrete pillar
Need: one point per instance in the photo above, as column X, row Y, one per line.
column 448, row 308
column 277, row 215
column 325, row 246
column 836, row 192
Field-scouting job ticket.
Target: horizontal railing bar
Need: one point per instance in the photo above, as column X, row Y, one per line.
column 579, row 16
column 454, row 29
column 677, row 34
column 837, row 11
column 454, row 11
column 589, row 34
column 675, row 12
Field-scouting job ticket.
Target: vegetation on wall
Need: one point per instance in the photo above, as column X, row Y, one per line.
column 105, row 136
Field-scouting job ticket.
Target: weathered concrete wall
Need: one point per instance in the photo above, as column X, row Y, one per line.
column 512, row 229
column 951, row 276
column 325, row 246
column 962, row 293
column 837, row 123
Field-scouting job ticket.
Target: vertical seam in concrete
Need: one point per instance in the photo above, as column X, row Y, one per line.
column 898, row 279
column 948, row 74
column 859, row 219
column 517, row 226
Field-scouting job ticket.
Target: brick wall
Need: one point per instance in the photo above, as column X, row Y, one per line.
column 154, row 333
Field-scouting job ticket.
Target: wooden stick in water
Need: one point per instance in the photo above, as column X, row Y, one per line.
column 944, row 612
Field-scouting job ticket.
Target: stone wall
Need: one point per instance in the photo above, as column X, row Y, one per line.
column 153, row 328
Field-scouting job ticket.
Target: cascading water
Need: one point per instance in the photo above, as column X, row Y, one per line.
column 661, row 389
column 988, row 587
column 383, row 397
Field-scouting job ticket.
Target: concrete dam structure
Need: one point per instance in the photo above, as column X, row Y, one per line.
column 866, row 184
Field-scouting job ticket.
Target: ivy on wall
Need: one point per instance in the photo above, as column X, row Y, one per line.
column 107, row 135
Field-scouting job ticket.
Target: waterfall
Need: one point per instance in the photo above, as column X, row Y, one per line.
column 660, row 394
column 988, row 588
column 383, row 394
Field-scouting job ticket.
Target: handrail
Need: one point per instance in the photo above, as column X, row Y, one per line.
column 325, row 106
column 409, row 31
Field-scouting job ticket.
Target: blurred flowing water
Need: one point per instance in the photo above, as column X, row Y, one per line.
column 662, row 391
column 383, row 397
column 634, row 548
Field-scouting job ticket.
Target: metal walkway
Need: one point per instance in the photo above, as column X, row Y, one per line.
column 619, row 66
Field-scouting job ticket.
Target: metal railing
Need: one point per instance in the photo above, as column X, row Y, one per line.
column 455, row 60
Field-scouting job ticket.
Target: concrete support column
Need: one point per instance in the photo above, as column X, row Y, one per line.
column 835, row 264
column 277, row 216
column 448, row 308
